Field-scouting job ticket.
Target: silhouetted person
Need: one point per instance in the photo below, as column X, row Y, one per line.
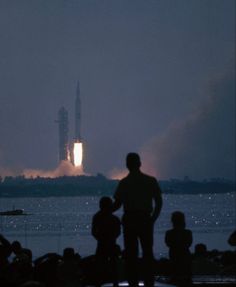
column 201, row 263
column 21, row 267
column 232, row 239
column 106, row 229
column 179, row 240
column 5, row 251
column 69, row 271
column 22, row 254
column 46, row 269
column 228, row 262
column 137, row 192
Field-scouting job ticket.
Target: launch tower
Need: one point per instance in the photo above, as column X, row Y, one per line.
column 63, row 134
column 72, row 152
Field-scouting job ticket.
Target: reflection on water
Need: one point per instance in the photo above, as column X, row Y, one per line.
column 57, row 222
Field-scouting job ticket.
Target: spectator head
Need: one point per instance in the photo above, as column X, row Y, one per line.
column 68, row 253
column 133, row 161
column 16, row 247
column 200, row 249
column 232, row 239
column 105, row 204
column 178, row 219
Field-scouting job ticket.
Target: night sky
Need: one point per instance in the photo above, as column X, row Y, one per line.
column 156, row 77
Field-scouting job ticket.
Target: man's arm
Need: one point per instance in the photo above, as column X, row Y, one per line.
column 117, row 196
column 116, row 205
column 157, row 202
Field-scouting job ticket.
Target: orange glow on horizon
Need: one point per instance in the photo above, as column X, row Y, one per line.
column 78, row 154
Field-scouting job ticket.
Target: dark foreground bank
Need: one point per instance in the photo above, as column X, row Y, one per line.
column 17, row 269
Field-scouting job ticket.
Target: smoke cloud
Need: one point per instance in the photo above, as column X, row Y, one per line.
column 65, row 168
column 202, row 145
column 7, row 172
column 199, row 146
column 117, row 173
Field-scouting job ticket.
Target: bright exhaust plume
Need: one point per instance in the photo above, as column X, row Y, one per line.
column 78, row 154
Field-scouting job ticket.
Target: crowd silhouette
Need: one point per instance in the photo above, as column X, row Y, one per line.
column 110, row 264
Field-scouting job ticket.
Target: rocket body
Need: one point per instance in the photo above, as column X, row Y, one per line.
column 78, row 146
column 78, row 115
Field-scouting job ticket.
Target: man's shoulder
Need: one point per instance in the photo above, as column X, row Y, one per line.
column 138, row 175
column 124, row 179
column 122, row 183
column 137, row 179
column 148, row 178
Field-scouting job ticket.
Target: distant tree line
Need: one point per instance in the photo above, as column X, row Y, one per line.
column 98, row 185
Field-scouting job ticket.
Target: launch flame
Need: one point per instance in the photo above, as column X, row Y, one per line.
column 78, row 154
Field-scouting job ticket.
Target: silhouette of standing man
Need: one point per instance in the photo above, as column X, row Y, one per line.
column 137, row 192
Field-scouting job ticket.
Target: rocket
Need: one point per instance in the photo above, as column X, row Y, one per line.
column 77, row 154
column 78, row 115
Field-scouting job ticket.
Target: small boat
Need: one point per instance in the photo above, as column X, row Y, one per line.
column 13, row 212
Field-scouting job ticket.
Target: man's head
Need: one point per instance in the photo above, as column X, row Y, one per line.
column 133, row 161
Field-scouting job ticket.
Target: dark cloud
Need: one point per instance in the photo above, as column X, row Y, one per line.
column 203, row 144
